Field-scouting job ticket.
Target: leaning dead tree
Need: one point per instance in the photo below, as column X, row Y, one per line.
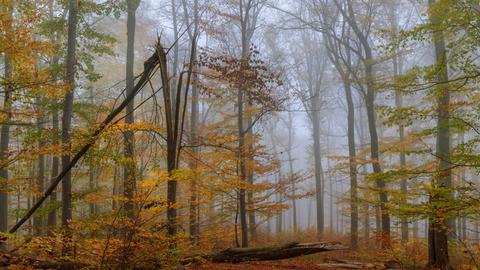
column 150, row 67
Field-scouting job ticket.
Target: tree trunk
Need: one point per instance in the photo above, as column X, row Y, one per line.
column 194, row 211
column 39, row 185
column 291, row 137
column 438, row 226
column 241, row 133
column 5, row 129
column 353, row 166
column 129, row 170
column 242, row 173
column 67, row 121
column 368, row 63
column 318, row 170
column 290, row 250
column 252, row 224
column 375, row 156
column 115, row 189
column 52, row 215
column 397, row 70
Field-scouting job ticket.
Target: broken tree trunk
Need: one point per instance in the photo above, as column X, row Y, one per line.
column 294, row 249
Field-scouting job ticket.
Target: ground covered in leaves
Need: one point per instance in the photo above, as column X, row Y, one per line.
column 340, row 260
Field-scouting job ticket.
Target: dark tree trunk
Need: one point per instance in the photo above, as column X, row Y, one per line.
column 52, row 215
column 38, row 220
column 368, row 62
column 438, row 226
column 242, row 173
column 318, row 171
column 67, row 122
column 5, row 132
column 291, row 135
column 290, row 250
column 252, row 224
column 353, row 166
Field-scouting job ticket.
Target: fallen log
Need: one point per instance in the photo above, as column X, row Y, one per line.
column 8, row 260
column 290, row 250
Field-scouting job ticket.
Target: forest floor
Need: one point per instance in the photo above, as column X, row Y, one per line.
column 339, row 260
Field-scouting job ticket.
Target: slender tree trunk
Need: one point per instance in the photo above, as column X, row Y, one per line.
column 194, row 211
column 91, row 185
column 318, row 171
column 174, row 79
column 5, row 130
column 252, row 224
column 438, row 226
column 368, row 63
column 92, row 181
column 52, row 215
column 39, row 185
column 330, row 189
column 291, row 136
column 375, row 156
column 115, row 191
column 397, row 70
column 67, row 122
column 353, row 166
column 477, row 231
column 403, row 164
column 241, row 132
column 242, row 173
column 129, row 174
column 278, row 197
column 194, row 205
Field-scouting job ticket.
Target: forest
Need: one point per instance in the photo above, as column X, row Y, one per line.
column 240, row 134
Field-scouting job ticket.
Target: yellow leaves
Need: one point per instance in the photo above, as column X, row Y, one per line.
column 154, row 179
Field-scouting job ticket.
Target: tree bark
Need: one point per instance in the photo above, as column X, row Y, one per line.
column 290, row 250
column 194, row 215
column 397, row 70
column 353, row 166
column 129, row 169
column 252, row 224
column 38, row 220
column 369, row 97
column 67, row 121
column 318, row 169
column 438, row 226
column 52, row 215
column 291, row 135
column 5, row 129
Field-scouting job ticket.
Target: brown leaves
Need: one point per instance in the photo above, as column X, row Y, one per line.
column 252, row 76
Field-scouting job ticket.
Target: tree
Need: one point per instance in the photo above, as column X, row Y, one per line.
column 348, row 14
column 52, row 215
column 339, row 53
column 442, row 181
column 312, row 100
column 67, row 120
column 397, row 70
column 130, row 167
column 194, row 216
column 4, row 130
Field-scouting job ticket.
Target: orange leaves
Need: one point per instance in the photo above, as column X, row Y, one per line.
column 137, row 126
